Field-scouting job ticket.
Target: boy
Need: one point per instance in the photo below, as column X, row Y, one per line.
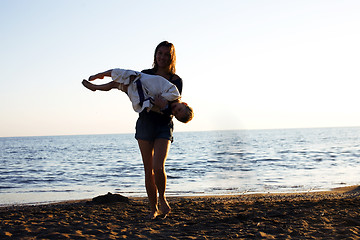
column 142, row 89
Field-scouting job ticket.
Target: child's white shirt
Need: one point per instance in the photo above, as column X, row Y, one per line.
column 152, row 85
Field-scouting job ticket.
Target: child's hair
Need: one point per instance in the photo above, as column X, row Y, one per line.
column 171, row 67
column 188, row 116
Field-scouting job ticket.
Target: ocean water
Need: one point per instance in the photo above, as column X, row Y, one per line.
column 56, row 168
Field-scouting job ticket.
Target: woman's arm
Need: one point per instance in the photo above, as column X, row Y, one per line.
column 160, row 102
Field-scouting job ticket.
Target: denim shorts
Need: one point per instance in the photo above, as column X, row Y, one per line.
column 150, row 130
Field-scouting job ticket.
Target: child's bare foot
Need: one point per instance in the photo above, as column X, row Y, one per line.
column 88, row 85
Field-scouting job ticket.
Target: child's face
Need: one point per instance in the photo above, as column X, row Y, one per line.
column 178, row 109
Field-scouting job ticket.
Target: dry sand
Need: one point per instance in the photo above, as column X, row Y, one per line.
column 321, row 215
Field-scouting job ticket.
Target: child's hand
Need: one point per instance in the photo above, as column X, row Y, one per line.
column 92, row 78
column 160, row 102
column 96, row 76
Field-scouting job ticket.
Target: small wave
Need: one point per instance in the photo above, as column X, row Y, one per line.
column 268, row 160
column 173, row 177
column 7, row 187
column 49, row 191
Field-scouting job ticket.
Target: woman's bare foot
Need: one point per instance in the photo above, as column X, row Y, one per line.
column 153, row 215
column 88, row 85
column 164, row 208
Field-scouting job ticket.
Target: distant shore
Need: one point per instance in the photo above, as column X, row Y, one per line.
column 330, row 214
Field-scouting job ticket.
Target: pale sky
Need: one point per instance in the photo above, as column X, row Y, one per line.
column 245, row 64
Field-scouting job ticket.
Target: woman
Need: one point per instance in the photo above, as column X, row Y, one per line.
column 154, row 132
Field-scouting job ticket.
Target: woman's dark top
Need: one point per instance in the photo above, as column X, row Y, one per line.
column 166, row 117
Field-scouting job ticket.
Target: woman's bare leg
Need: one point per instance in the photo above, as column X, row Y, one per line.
column 147, row 152
column 161, row 149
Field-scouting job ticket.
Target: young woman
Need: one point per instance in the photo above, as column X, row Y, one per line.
column 154, row 133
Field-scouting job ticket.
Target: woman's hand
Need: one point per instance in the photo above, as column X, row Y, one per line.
column 160, row 102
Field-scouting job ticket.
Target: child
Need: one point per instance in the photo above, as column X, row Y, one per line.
column 142, row 89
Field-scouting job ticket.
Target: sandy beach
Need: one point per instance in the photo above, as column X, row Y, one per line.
column 313, row 215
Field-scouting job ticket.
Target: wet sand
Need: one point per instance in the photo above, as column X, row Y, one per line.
column 320, row 215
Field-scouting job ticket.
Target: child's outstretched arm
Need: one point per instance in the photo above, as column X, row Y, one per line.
column 101, row 75
column 103, row 87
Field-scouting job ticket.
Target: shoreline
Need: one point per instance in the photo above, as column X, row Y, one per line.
column 327, row 214
column 64, row 201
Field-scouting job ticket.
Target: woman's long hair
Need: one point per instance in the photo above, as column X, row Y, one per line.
column 171, row 67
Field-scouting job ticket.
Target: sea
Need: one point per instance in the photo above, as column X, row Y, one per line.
column 37, row 170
